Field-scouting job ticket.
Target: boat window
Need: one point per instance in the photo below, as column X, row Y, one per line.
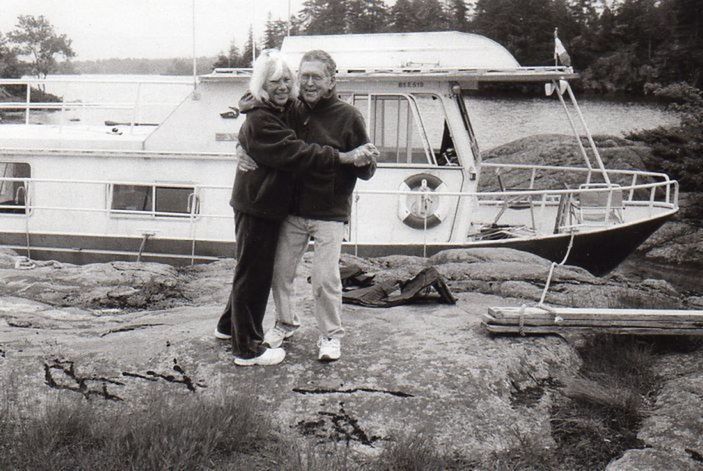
column 172, row 200
column 397, row 125
column 159, row 201
column 13, row 193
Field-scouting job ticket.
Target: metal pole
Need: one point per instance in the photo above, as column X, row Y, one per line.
column 29, row 100
column 573, row 126
column 588, row 134
column 253, row 43
column 195, row 66
column 288, row 20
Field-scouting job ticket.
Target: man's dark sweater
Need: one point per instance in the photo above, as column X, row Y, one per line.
column 331, row 122
column 268, row 138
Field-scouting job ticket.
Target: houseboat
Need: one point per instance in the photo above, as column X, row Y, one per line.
column 159, row 191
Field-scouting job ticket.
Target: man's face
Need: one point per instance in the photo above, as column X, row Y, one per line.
column 314, row 81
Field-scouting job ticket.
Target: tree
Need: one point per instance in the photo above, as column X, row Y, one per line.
column 524, row 27
column 430, row 16
column 325, row 16
column 247, row 54
column 35, row 37
column 231, row 59
column 10, row 67
column 457, row 15
column 367, row 16
column 274, row 33
column 404, row 18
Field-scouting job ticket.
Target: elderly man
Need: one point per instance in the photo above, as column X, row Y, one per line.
column 320, row 207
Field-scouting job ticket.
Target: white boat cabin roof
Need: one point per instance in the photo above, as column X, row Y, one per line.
column 446, row 49
column 446, row 55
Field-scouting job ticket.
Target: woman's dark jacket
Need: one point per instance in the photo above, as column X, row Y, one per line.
column 268, row 138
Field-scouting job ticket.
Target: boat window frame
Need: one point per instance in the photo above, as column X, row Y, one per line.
column 466, row 120
column 431, row 158
column 193, row 202
column 25, row 187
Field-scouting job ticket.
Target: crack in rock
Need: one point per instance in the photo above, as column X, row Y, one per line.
column 184, row 379
column 77, row 383
column 128, row 328
column 351, row 391
column 341, row 427
column 19, row 324
column 695, row 455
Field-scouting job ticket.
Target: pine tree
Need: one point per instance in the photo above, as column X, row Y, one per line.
column 274, row 33
column 403, row 16
column 325, row 16
column 246, row 59
column 367, row 16
column 457, row 13
column 231, row 59
column 430, row 16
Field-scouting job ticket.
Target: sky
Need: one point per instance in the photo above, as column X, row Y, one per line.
column 102, row 29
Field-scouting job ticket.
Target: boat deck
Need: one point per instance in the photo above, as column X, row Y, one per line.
column 54, row 136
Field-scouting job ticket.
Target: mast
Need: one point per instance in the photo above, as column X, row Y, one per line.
column 195, row 66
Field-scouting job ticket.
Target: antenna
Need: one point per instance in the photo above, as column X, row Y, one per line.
column 253, row 43
column 195, row 65
column 288, row 21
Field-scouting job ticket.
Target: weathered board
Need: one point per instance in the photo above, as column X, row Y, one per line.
column 536, row 320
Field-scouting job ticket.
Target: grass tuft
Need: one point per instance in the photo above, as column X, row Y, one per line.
column 192, row 433
column 412, row 452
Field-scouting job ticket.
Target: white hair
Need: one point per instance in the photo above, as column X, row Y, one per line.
column 270, row 65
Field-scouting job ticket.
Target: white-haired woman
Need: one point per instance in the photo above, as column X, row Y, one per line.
column 261, row 198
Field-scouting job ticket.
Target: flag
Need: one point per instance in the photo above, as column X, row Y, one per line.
column 560, row 54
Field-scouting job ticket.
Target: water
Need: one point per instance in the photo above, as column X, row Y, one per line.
column 685, row 279
column 497, row 121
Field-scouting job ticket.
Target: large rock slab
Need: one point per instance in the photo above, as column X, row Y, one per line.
column 428, row 367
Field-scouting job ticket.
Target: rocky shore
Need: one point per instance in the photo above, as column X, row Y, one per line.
column 118, row 333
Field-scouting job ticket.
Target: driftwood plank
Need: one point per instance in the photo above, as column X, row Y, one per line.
column 544, row 321
column 514, row 329
column 597, row 313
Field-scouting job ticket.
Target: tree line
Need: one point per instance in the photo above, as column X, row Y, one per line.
column 618, row 46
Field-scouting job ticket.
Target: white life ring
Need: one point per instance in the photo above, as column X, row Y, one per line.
column 424, row 210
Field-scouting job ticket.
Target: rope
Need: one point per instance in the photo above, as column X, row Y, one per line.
column 551, row 272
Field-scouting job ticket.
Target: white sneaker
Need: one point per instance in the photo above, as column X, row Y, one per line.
column 330, row 349
column 271, row 356
column 274, row 336
column 221, row 335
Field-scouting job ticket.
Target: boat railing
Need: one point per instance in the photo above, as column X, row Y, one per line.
column 25, row 207
column 135, row 107
column 544, row 196
column 633, row 177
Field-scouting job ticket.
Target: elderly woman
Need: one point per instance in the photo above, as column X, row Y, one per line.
column 260, row 199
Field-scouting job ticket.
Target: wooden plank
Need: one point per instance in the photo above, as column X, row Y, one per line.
column 544, row 321
column 505, row 329
column 597, row 313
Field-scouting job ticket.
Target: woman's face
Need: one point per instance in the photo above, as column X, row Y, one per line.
column 279, row 90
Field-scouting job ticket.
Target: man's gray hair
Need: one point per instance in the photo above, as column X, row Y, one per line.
column 321, row 56
column 270, row 65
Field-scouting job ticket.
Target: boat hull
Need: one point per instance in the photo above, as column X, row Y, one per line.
column 599, row 251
